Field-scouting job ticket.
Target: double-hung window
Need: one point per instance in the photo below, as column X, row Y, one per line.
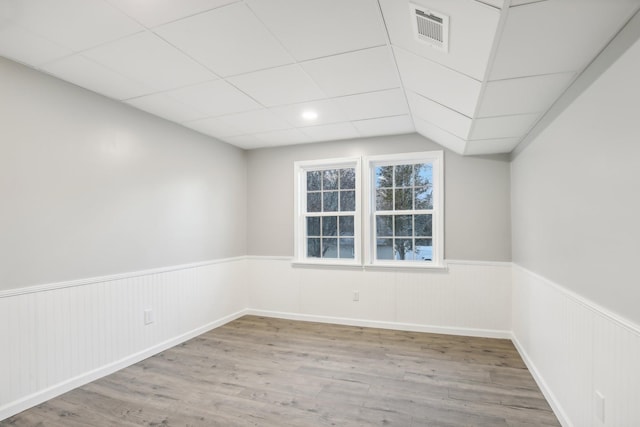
column 328, row 211
column 402, row 211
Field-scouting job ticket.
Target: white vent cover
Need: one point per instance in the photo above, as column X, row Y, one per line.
column 430, row 27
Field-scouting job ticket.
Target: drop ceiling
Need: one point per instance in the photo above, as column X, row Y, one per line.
column 244, row 71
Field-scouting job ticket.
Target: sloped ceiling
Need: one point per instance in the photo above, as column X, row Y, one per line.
column 244, row 71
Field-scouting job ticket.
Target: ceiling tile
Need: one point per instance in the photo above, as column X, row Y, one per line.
column 215, row 98
column 229, row 40
column 523, row 95
column 213, row 126
column 503, row 126
column 256, row 121
column 86, row 73
column 356, row 72
column 288, row 84
column 373, row 104
column 313, row 29
column 571, row 38
column 156, row 12
column 396, row 125
column 147, row 58
column 75, row 24
column 24, row 46
column 327, row 110
column 438, row 83
column 245, row 141
column 446, row 118
column 491, row 146
column 472, row 31
column 165, row 106
column 440, row 136
column 283, row 137
column 333, row 131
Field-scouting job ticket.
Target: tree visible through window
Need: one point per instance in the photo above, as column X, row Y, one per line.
column 330, row 211
column 404, row 212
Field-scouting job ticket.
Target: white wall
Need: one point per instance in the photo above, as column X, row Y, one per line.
column 91, row 187
column 575, row 193
column 576, row 229
column 469, row 298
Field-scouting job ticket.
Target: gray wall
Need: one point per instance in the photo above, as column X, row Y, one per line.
column 90, row 187
column 576, row 193
column 477, row 219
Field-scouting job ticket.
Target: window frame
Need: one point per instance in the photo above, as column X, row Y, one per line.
column 369, row 197
column 300, row 202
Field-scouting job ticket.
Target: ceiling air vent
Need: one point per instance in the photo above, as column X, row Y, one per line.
column 430, row 27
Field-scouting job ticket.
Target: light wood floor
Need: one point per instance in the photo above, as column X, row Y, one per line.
column 269, row 372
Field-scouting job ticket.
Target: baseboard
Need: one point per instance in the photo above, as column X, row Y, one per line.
column 41, row 396
column 470, row 332
column 546, row 390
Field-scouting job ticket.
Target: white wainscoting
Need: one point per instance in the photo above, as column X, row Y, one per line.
column 575, row 348
column 57, row 337
column 468, row 298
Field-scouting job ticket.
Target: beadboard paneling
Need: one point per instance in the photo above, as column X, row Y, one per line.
column 467, row 298
column 575, row 348
column 64, row 335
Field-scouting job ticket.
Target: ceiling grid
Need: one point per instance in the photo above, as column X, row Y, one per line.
column 244, row 71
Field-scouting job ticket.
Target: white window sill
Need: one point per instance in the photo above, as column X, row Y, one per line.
column 326, row 264
column 378, row 266
column 406, row 266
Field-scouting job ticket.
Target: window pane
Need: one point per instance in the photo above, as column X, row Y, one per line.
column 347, row 201
column 348, row 179
column 314, row 202
column 330, row 179
column 313, row 226
column 404, row 175
column 384, row 249
column 313, row 248
column 424, row 197
column 423, row 174
column 384, row 225
column 384, row 200
column 329, row 249
column 346, row 225
column 384, row 176
column 403, row 199
column 424, row 249
column 329, row 225
column 314, row 178
column 346, row 248
column 423, row 225
column 403, row 224
column 330, row 201
column 403, row 249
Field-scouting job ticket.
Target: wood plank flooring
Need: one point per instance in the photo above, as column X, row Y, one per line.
column 259, row 371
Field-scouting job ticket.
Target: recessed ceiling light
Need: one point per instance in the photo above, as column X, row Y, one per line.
column 309, row 115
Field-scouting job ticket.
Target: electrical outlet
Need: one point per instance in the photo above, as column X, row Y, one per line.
column 356, row 295
column 148, row 316
column 599, row 406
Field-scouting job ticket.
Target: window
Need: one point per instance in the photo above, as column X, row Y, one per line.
column 405, row 209
column 328, row 211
